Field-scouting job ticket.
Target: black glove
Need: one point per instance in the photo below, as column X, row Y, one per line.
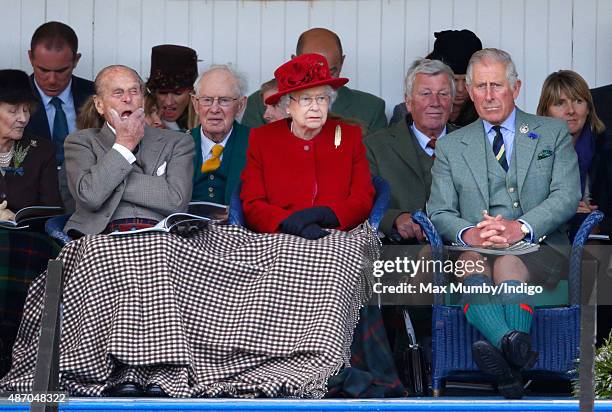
column 313, row 232
column 297, row 221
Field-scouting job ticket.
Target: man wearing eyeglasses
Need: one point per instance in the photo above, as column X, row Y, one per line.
column 220, row 141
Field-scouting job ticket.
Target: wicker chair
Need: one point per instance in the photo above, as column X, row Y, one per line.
column 555, row 331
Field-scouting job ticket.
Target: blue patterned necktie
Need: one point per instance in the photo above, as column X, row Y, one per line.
column 499, row 150
column 60, row 129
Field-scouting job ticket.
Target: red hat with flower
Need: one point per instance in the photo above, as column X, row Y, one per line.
column 303, row 72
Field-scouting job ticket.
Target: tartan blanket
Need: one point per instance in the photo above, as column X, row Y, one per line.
column 23, row 256
column 227, row 312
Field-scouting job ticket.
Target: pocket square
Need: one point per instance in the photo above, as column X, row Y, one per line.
column 161, row 170
column 544, row 154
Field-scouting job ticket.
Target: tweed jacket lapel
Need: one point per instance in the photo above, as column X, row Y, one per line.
column 525, row 146
column 151, row 148
column 473, row 153
column 106, row 138
column 404, row 145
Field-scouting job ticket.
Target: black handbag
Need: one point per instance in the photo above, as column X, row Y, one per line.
column 414, row 372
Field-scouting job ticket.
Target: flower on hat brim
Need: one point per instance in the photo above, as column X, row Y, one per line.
column 303, row 72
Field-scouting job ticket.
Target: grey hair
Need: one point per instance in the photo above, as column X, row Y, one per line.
column 492, row 55
column 240, row 78
column 284, row 100
column 431, row 68
column 102, row 73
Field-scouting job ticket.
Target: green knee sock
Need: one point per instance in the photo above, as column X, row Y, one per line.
column 517, row 310
column 483, row 313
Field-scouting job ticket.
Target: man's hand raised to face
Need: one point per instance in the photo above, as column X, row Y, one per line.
column 129, row 130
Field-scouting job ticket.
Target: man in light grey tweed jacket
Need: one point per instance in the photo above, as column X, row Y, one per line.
column 125, row 170
column 507, row 177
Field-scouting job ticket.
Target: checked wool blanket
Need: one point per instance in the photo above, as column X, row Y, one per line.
column 227, row 312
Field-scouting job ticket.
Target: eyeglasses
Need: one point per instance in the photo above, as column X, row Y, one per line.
column 207, row 101
column 306, row 101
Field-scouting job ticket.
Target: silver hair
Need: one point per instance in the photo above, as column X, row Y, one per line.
column 284, row 100
column 241, row 81
column 492, row 55
column 102, row 73
column 431, row 68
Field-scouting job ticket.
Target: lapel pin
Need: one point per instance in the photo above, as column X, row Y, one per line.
column 338, row 136
column 533, row 135
column 524, row 128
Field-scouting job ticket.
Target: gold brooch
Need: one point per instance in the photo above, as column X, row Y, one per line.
column 338, row 136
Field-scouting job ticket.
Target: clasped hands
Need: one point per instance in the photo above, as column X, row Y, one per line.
column 309, row 223
column 5, row 212
column 494, row 232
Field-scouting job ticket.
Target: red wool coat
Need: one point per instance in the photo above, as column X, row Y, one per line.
column 284, row 174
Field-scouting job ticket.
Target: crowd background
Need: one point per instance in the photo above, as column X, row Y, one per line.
column 380, row 37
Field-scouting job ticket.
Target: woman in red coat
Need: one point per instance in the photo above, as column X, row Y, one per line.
column 306, row 172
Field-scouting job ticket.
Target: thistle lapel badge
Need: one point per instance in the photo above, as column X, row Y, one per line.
column 338, row 136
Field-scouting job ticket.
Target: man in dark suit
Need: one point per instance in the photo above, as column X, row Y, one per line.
column 220, row 141
column 53, row 55
column 368, row 109
column 403, row 153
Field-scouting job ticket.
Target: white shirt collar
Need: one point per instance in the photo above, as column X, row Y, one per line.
column 423, row 139
column 65, row 96
column 208, row 144
column 508, row 124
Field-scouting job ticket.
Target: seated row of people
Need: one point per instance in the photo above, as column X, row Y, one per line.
column 309, row 172
column 314, row 176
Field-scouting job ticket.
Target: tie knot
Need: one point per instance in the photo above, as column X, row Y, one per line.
column 497, row 129
column 432, row 143
column 56, row 102
column 216, row 150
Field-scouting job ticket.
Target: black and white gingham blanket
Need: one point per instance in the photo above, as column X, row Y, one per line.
column 225, row 313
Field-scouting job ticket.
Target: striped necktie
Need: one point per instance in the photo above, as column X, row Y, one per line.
column 499, row 150
column 432, row 145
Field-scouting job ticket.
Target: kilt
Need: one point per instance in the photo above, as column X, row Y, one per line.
column 23, row 256
column 227, row 312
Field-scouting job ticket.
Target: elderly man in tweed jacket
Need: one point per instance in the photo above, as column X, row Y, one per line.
column 125, row 172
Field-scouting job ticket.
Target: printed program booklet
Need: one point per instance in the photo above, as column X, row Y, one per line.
column 519, row 248
column 184, row 224
column 32, row 216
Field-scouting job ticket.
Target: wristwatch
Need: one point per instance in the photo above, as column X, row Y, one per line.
column 525, row 230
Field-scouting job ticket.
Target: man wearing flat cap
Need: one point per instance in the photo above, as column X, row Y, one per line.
column 454, row 48
column 366, row 108
column 173, row 70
